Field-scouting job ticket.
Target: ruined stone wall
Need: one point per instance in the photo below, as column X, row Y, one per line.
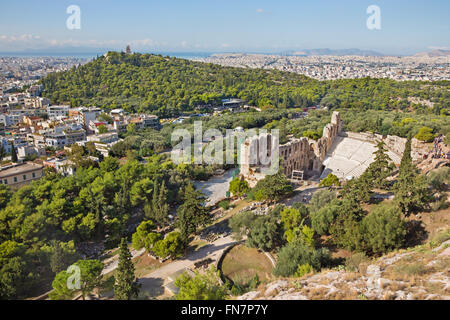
column 298, row 154
column 330, row 132
column 250, row 161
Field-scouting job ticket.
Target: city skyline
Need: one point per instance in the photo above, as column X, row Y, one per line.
column 407, row 27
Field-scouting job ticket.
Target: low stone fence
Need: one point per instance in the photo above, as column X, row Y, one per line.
column 219, row 261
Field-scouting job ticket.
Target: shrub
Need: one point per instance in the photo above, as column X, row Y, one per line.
column 276, row 211
column 240, row 224
column 353, row 262
column 201, row 286
column 320, row 199
column 264, row 233
column 330, row 180
column 383, row 229
column 303, row 269
column 274, row 187
column 142, row 231
column 244, row 285
column 311, row 134
column 294, row 254
column 439, row 178
column 440, row 238
column 412, row 269
column 238, row 186
column 322, row 219
column 303, row 234
column 425, row 134
column 224, row 204
column 291, row 218
column 171, row 246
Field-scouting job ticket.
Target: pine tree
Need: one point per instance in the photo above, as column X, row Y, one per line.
column 57, row 262
column 411, row 190
column 192, row 213
column 381, row 168
column 125, row 287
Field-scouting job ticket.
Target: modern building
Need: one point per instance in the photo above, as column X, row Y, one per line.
column 73, row 136
column 32, row 120
column 10, row 119
column 17, row 175
column 24, row 151
column 90, row 114
column 5, row 144
column 57, row 112
column 56, row 140
column 104, row 142
column 146, row 121
column 62, row 166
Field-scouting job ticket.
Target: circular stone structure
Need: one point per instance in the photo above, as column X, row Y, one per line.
column 241, row 264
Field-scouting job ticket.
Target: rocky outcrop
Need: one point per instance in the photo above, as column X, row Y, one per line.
column 419, row 273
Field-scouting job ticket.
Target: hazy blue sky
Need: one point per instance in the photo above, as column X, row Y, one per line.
column 407, row 26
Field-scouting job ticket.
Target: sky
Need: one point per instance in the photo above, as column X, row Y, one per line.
column 407, row 26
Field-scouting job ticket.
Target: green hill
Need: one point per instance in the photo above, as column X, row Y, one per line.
column 168, row 86
column 146, row 82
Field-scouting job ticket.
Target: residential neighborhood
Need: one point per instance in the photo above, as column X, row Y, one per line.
column 40, row 132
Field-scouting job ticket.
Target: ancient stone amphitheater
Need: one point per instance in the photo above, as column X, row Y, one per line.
column 345, row 154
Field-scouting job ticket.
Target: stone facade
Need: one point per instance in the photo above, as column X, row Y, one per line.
column 307, row 156
column 301, row 154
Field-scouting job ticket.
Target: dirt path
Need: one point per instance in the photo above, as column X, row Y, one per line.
column 111, row 263
column 153, row 283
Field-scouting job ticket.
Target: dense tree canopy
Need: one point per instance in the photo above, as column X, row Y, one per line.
column 153, row 83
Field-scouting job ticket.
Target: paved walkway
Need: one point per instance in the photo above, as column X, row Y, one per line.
column 153, row 283
column 216, row 188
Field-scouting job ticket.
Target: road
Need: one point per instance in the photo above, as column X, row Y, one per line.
column 153, row 283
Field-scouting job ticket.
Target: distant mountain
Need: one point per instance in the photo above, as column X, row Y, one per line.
column 336, row 52
column 434, row 53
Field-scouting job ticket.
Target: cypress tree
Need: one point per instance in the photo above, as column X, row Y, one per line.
column 411, row 190
column 406, row 158
column 125, row 287
column 14, row 157
column 163, row 207
column 2, row 153
column 158, row 209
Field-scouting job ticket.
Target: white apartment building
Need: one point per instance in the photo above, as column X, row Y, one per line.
column 90, row 114
column 56, row 140
column 24, row 151
column 57, row 112
column 10, row 119
column 104, row 142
